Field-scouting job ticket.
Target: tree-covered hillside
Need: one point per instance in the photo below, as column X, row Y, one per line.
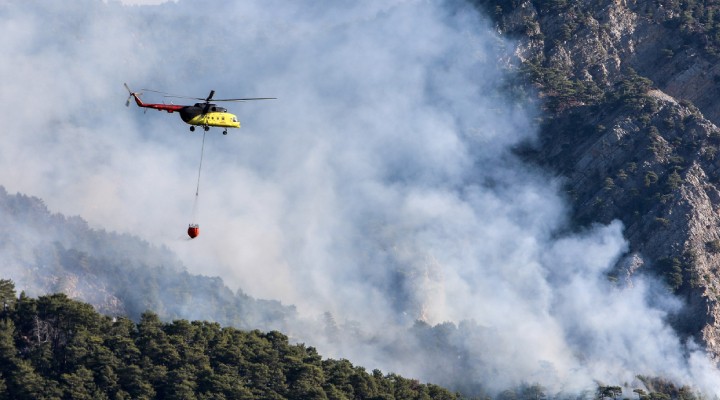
column 53, row 347
column 381, row 212
column 118, row 274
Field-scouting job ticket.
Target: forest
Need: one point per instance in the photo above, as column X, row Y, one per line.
column 53, row 347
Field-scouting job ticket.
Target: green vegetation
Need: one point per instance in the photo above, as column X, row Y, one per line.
column 698, row 22
column 608, row 392
column 561, row 90
column 672, row 271
column 661, row 389
column 53, row 347
column 650, row 178
column 638, row 174
column 713, row 246
column 112, row 266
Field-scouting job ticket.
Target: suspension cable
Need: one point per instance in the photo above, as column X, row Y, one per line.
column 194, row 222
column 202, row 151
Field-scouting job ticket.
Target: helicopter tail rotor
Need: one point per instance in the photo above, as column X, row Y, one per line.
column 132, row 94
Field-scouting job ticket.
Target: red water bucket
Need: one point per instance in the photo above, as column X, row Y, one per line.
column 193, row 231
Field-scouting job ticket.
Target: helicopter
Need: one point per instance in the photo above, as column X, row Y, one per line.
column 205, row 114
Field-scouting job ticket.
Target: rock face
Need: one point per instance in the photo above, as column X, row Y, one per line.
column 630, row 89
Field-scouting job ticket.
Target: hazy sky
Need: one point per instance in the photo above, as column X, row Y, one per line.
column 144, row 2
column 379, row 187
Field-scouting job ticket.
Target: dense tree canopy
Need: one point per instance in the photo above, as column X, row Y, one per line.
column 54, row 347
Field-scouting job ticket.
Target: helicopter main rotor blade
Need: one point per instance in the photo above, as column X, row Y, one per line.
column 221, row 100
column 248, row 98
column 209, row 98
column 172, row 95
column 155, row 91
column 184, row 97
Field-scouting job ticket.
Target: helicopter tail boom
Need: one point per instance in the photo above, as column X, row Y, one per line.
column 160, row 107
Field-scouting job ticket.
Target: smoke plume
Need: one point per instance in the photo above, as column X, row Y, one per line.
column 379, row 189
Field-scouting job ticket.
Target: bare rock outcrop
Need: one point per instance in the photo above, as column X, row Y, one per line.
column 631, row 93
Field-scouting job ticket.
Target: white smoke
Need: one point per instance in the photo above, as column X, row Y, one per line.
column 379, row 187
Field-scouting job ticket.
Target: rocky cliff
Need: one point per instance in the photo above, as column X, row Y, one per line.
column 629, row 89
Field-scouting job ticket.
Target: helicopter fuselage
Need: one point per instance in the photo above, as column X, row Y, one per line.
column 208, row 115
column 199, row 114
column 204, row 114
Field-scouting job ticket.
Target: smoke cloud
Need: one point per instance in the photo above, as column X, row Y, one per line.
column 379, row 189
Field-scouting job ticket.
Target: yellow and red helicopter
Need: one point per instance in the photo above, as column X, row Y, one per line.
column 204, row 114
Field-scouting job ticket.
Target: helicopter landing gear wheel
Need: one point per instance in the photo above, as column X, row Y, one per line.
column 192, row 129
column 207, row 128
column 225, row 132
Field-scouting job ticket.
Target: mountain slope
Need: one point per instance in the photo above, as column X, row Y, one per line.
column 54, row 347
column 629, row 89
column 385, row 211
column 118, row 274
